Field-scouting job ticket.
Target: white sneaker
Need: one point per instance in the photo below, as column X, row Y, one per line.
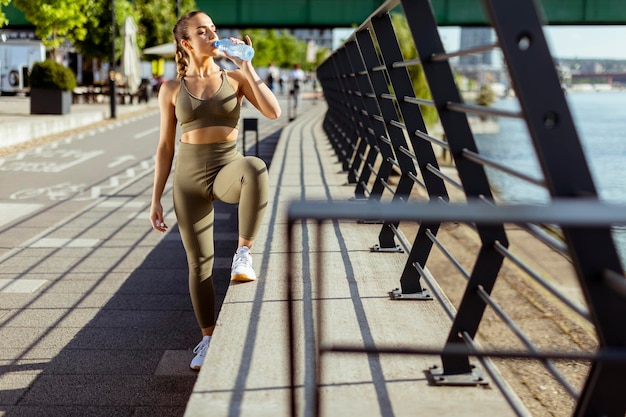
column 242, row 271
column 200, row 351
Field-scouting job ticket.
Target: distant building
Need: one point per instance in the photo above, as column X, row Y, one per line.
column 472, row 37
column 483, row 67
column 323, row 38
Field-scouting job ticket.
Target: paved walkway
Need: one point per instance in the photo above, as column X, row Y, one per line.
column 95, row 316
column 110, row 330
column 246, row 372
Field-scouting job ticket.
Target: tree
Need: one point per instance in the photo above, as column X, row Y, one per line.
column 98, row 25
column 156, row 21
column 3, row 17
column 158, row 18
column 276, row 46
column 56, row 20
column 416, row 72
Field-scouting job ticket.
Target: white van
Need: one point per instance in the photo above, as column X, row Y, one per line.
column 17, row 57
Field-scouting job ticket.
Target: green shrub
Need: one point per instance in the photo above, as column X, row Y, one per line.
column 486, row 95
column 51, row 75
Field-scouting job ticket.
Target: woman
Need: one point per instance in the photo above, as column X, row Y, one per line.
column 206, row 100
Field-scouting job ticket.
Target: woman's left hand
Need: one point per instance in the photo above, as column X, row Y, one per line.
column 236, row 60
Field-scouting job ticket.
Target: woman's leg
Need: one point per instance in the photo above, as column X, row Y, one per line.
column 244, row 181
column 195, row 216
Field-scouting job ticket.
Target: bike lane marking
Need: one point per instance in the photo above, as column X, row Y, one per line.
column 41, row 161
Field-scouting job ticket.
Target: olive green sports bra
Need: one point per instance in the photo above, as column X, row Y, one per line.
column 222, row 109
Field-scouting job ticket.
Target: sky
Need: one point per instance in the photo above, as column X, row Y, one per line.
column 588, row 41
column 594, row 42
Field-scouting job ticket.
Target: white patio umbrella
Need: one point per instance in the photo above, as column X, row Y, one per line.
column 166, row 50
column 131, row 68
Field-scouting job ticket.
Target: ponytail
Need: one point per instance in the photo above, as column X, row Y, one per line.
column 181, row 32
column 182, row 61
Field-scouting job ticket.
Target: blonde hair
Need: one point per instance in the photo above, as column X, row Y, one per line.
column 181, row 33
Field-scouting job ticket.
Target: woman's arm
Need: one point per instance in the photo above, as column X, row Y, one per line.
column 258, row 93
column 164, row 153
column 254, row 89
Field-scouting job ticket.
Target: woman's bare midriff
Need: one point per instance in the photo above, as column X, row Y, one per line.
column 211, row 134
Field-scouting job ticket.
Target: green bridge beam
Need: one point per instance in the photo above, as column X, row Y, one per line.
column 346, row 13
column 555, row 12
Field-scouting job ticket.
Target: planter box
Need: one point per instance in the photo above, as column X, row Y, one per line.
column 45, row 101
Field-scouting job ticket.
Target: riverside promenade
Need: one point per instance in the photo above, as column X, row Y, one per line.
column 109, row 332
column 247, row 366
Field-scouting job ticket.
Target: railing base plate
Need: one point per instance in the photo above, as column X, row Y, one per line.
column 397, row 294
column 394, row 249
column 473, row 378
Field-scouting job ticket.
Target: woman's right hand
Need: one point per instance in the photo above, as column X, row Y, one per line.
column 156, row 218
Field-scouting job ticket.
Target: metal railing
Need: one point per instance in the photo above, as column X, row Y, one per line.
column 376, row 127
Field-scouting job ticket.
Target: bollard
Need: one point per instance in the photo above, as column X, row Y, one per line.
column 253, row 125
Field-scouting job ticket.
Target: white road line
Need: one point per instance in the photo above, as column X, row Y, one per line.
column 120, row 160
column 146, row 133
column 20, row 285
column 10, row 212
column 50, row 242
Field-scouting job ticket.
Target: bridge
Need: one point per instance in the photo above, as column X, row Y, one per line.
column 352, row 347
column 348, row 13
column 608, row 77
column 351, row 316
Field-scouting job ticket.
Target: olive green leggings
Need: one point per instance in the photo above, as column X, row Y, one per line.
column 205, row 173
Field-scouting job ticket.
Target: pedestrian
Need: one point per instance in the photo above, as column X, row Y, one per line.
column 206, row 100
column 272, row 76
column 297, row 78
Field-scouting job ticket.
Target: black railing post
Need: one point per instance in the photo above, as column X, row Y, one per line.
column 370, row 145
column 423, row 26
column 340, row 117
column 330, row 84
column 366, row 107
column 567, row 174
column 365, row 152
column 423, row 152
column 250, row 125
column 374, row 113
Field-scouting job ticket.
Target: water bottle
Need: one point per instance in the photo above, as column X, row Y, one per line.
column 243, row 51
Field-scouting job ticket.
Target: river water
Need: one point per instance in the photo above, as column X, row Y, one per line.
column 600, row 120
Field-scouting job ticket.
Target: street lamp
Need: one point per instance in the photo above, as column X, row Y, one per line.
column 112, row 63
